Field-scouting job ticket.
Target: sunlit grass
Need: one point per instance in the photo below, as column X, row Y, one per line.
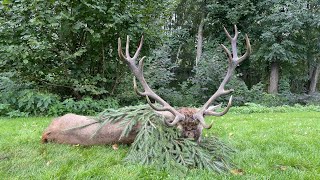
column 269, row 146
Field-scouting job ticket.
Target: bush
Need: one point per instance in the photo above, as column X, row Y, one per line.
column 271, row 100
column 86, row 106
column 4, row 108
column 20, row 99
column 289, row 99
column 306, row 99
column 249, row 108
column 33, row 103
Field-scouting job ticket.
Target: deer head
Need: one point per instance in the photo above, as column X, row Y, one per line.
column 189, row 120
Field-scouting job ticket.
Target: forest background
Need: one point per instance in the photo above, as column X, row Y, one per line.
column 61, row 56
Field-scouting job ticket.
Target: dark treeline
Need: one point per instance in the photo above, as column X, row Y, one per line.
column 60, row 53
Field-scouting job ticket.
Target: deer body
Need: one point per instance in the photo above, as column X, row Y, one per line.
column 63, row 130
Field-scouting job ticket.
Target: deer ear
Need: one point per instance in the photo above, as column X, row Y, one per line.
column 168, row 115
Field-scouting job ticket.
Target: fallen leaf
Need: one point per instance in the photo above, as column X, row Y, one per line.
column 230, row 135
column 49, row 162
column 115, row 147
column 282, row 167
column 237, row 172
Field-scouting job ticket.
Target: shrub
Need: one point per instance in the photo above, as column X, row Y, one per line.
column 20, row 99
column 5, row 108
column 32, row 103
column 35, row 103
column 86, row 106
column 249, row 108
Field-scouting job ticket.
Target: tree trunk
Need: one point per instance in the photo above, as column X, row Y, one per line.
column 199, row 41
column 274, row 78
column 314, row 79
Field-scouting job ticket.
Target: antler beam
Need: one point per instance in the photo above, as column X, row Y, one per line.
column 234, row 60
column 148, row 92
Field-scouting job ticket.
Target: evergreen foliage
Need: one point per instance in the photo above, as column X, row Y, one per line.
column 162, row 147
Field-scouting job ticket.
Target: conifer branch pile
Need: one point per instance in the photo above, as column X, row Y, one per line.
column 162, row 147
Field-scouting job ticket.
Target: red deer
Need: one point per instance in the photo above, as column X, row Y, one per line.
column 189, row 120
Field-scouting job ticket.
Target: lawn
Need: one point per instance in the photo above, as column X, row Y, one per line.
column 269, row 146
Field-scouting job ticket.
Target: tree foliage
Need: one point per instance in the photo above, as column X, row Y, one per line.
column 68, row 49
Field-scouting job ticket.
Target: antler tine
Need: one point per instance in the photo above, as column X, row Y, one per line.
column 141, row 64
column 120, row 53
column 233, row 62
column 174, row 122
column 234, row 45
column 248, row 51
column 127, row 48
column 212, row 113
column 211, row 108
column 153, row 106
column 235, row 32
column 203, row 123
column 227, row 33
column 227, row 52
column 139, row 49
column 135, row 87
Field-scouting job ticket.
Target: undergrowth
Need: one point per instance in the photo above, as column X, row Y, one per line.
column 249, row 108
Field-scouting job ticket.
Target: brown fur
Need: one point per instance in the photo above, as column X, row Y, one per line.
column 190, row 127
column 109, row 134
column 188, row 112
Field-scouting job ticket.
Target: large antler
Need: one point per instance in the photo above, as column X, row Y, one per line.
column 234, row 60
column 138, row 73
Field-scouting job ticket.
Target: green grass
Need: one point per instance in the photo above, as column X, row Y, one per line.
column 269, row 146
